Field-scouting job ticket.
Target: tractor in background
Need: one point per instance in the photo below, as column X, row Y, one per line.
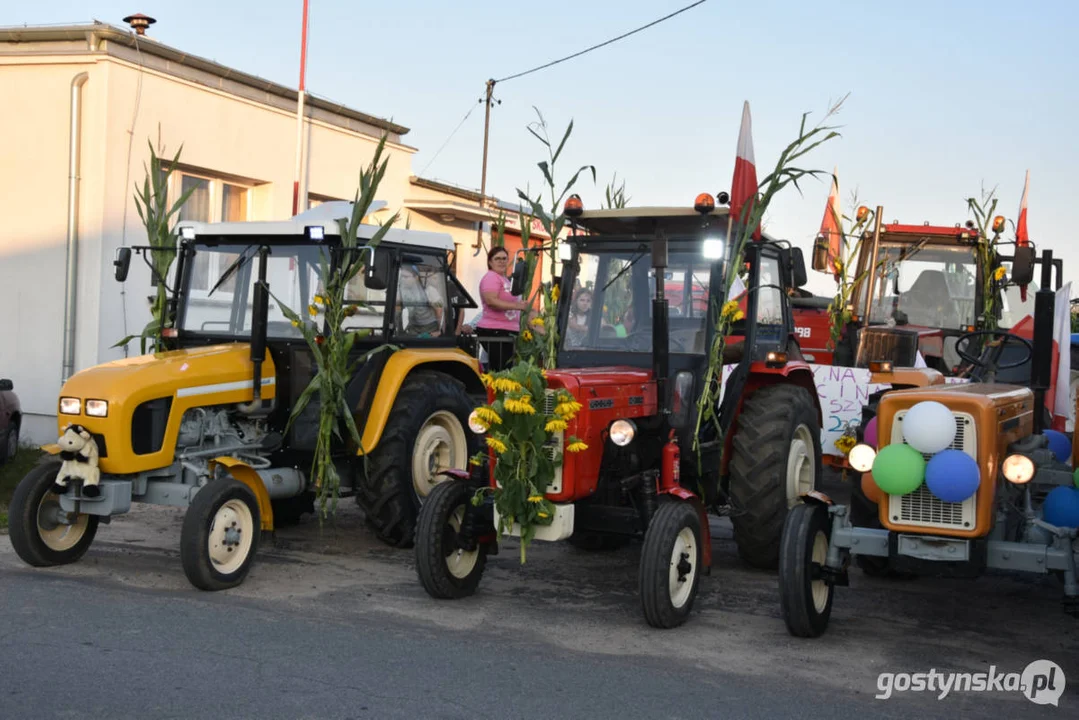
column 639, row 396
column 956, row 480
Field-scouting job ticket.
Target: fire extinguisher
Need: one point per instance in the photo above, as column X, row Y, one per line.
column 672, row 458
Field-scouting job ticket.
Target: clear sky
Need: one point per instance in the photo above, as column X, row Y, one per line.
column 945, row 96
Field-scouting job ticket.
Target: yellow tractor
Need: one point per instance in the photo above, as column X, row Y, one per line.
column 204, row 425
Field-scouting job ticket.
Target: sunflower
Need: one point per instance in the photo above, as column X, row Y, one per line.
column 497, row 445
column 526, row 336
column 555, row 425
column 537, row 321
column 535, row 499
column 488, row 415
column 520, row 406
column 576, row 446
column 506, row 385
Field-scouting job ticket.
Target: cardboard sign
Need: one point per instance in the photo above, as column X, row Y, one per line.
column 842, row 392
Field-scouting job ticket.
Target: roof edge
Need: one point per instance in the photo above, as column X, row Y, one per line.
column 104, row 31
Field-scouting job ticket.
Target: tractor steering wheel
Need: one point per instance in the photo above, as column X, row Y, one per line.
column 991, row 364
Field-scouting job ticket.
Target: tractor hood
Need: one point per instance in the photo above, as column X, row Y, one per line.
column 608, row 388
column 177, row 373
column 148, row 395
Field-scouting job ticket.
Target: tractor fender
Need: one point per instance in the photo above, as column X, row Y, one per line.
column 816, row 497
column 450, row 361
column 247, row 475
column 706, row 536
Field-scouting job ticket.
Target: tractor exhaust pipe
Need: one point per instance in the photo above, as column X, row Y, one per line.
column 1041, row 363
column 661, row 352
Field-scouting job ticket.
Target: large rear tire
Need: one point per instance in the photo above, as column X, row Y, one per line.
column 426, row 432
column 776, row 460
column 671, row 564
column 449, row 566
column 37, row 533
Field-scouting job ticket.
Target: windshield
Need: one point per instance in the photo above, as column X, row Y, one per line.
column 611, row 304
column 291, row 273
column 932, row 286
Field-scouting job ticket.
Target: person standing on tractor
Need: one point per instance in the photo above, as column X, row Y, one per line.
column 501, row 315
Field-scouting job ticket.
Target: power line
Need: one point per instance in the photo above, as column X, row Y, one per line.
column 596, row 47
column 467, row 114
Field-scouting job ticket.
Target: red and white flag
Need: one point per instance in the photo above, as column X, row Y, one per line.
column 831, row 227
column 1022, row 237
column 744, row 184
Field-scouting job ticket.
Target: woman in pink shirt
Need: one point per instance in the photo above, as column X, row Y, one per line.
column 501, row 316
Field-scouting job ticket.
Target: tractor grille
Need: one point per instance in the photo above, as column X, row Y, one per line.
column 553, row 447
column 886, row 343
column 922, row 508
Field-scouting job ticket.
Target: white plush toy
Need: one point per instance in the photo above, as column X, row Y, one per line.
column 79, row 453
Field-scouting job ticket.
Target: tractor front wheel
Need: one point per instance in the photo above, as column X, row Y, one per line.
column 41, row 532
column 449, row 562
column 805, row 598
column 670, row 564
column 776, row 459
column 220, row 535
column 426, row 433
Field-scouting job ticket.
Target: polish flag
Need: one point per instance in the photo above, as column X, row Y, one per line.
column 744, row 184
column 1021, row 236
column 830, row 227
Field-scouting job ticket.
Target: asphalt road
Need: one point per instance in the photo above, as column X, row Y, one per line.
column 330, row 624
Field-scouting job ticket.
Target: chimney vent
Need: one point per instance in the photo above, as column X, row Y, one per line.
column 139, row 22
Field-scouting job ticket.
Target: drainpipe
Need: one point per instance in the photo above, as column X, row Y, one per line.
column 72, row 224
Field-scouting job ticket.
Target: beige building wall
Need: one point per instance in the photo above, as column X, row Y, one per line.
column 230, row 133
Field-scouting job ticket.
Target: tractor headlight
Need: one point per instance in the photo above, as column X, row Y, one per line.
column 622, row 432
column 475, row 424
column 70, row 406
column 97, row 408
column 861, row 457
column 1018, row 469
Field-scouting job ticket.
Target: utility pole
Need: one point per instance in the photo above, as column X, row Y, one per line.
column 299, row 115
column 483, row 175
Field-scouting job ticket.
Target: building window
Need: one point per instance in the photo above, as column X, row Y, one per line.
column 211, row 200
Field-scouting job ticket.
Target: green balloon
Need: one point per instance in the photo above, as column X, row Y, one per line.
column 1075, row 477
column 898, row 469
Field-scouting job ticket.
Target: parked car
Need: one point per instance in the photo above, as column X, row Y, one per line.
column 10, row 420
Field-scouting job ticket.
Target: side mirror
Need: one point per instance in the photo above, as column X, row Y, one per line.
column 6, row 384
column 122, row 263
column 820, row 255
column 376, row 276
column 519, row 278
column 1023, row 265
column 798, row 267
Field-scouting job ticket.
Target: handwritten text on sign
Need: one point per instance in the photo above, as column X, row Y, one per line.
column 842, row 392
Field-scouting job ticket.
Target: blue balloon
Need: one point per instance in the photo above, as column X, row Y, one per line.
column 1060, row 445
column 952, row 475
column 1061, row 507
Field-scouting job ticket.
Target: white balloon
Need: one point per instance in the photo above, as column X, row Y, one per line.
column 929, row 427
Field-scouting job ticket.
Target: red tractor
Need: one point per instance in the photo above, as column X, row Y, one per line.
column 927, row 291
column 639, row 398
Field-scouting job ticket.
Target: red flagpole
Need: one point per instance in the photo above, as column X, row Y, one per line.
column 299, row 114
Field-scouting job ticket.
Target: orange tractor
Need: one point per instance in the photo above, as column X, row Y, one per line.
column 958, row 480
column 639, row 397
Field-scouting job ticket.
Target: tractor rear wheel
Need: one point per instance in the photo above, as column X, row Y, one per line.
column 425, row 434
column 805, row 598
column 448, row 563
column 670, row 564
column 776, row 459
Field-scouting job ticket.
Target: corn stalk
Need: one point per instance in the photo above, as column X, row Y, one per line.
column 151, row 201
column 839, row 313
column 986, row 255
column 785, row 173
column 332, row 349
